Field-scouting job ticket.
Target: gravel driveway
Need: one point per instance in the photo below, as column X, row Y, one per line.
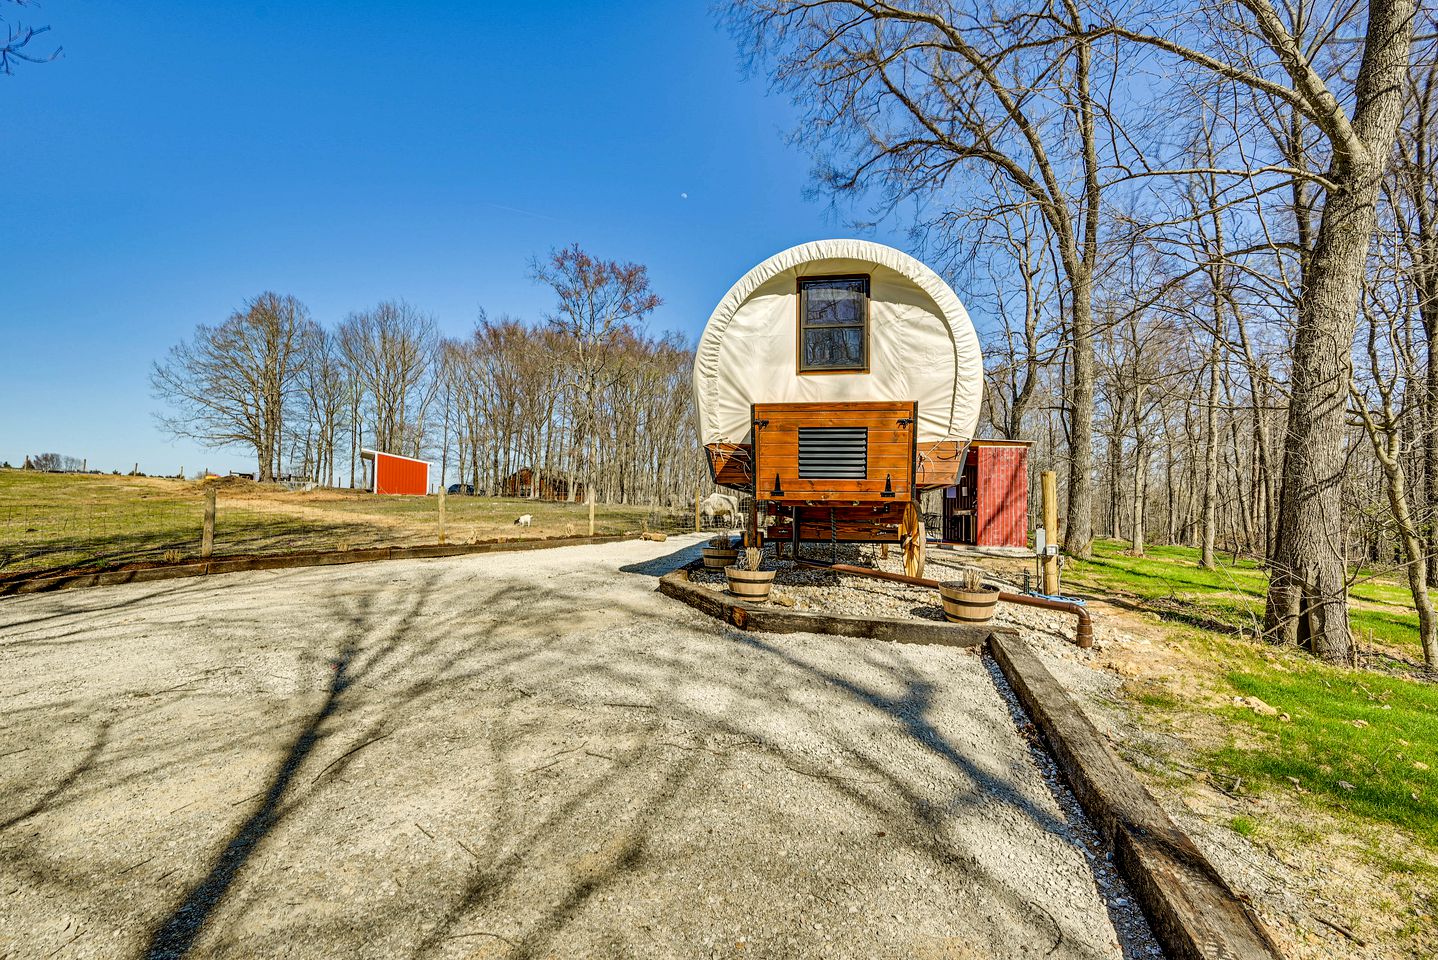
column 524, row 755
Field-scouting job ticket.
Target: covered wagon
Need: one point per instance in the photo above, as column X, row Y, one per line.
column 836, row 382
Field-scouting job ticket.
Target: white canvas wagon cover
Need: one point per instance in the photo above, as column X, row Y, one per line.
column 922, row 345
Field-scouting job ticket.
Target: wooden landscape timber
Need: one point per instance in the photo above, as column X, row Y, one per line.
column 767, row 618
column 1193, row 912
column 284, row 561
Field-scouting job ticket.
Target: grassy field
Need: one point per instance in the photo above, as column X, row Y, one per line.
column 92, row 521
column 1169, row 580
column 1358, row 741
column 1332, row 771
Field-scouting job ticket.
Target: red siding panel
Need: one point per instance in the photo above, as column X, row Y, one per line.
column 1003, row 506
column 400, row 475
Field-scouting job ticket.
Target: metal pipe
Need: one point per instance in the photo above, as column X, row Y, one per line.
column 1083, row 633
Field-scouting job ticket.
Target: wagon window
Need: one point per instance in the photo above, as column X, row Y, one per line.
column 833, row 324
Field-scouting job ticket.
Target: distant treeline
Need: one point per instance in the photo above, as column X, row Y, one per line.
column 583, row 400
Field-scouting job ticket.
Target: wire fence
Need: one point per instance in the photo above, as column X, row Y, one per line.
column 98, row 526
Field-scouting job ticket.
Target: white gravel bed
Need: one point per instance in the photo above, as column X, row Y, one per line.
column 511, row 755
column 1049, row 632
column 824, row 591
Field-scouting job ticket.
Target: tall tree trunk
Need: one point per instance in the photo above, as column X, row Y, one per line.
column 1247, row 497
column 1078, row 527
column 1430, row 439
column 1140, row 494
column 1388, row 446
column 1208, row 521
column 1307, row 601
column 1171, row 520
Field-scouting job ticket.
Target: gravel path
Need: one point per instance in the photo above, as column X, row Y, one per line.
column 525, row 755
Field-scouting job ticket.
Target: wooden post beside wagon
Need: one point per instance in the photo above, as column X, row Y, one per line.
column 207, row 532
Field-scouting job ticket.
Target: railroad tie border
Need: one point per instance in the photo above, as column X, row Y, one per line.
column 285, row 561
column 1194, row 913
column 768, row 618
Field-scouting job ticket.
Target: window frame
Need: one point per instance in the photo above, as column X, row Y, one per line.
column 800, row 327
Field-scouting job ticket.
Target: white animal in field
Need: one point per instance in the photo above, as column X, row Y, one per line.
column 719, row 504
column 524, row 520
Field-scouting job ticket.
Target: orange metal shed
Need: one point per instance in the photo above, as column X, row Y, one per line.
column 394, row 474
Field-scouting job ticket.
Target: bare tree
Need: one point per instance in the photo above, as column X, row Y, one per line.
column 391, row 351
column 17, row 43
column 323, row 389
column 1022, row 346
column 598, row 303
column 54, row 463
column 230, row 385
column 1393, row 381
column 912, row 97
column 1413, row 199
column 1253, row 44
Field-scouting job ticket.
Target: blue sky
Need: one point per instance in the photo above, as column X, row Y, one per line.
column 181, row 157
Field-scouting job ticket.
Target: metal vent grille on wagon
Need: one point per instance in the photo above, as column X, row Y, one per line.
column 833, row 453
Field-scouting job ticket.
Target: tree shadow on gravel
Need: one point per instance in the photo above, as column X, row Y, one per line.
column 86, row 764
column 84, row 603
column 407, row 661
column 655, row 791
column 529, row 663
column 355, row 663
column 175, row 936
column 668, row 563
column 1085, row 832
column 911, row 711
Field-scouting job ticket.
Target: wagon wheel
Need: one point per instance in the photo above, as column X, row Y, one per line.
column 911, row 535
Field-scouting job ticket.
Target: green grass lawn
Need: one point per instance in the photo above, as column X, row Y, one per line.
column 93, row 521
column 1355, row 742
column 1169, row 580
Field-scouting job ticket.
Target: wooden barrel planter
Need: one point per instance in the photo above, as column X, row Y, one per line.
column 968, row 606
column 750, row 585
column 718, row 558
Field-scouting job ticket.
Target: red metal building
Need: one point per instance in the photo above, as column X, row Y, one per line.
column 989, row 506
column 391, row 473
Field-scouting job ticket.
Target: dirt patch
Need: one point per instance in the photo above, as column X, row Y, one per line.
column 229, row 485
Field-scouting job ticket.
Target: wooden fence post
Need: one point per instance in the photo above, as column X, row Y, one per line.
column 591, row 512
column 1051, row 531
column 207, row 538
column 697, row 526
column 441, row 516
